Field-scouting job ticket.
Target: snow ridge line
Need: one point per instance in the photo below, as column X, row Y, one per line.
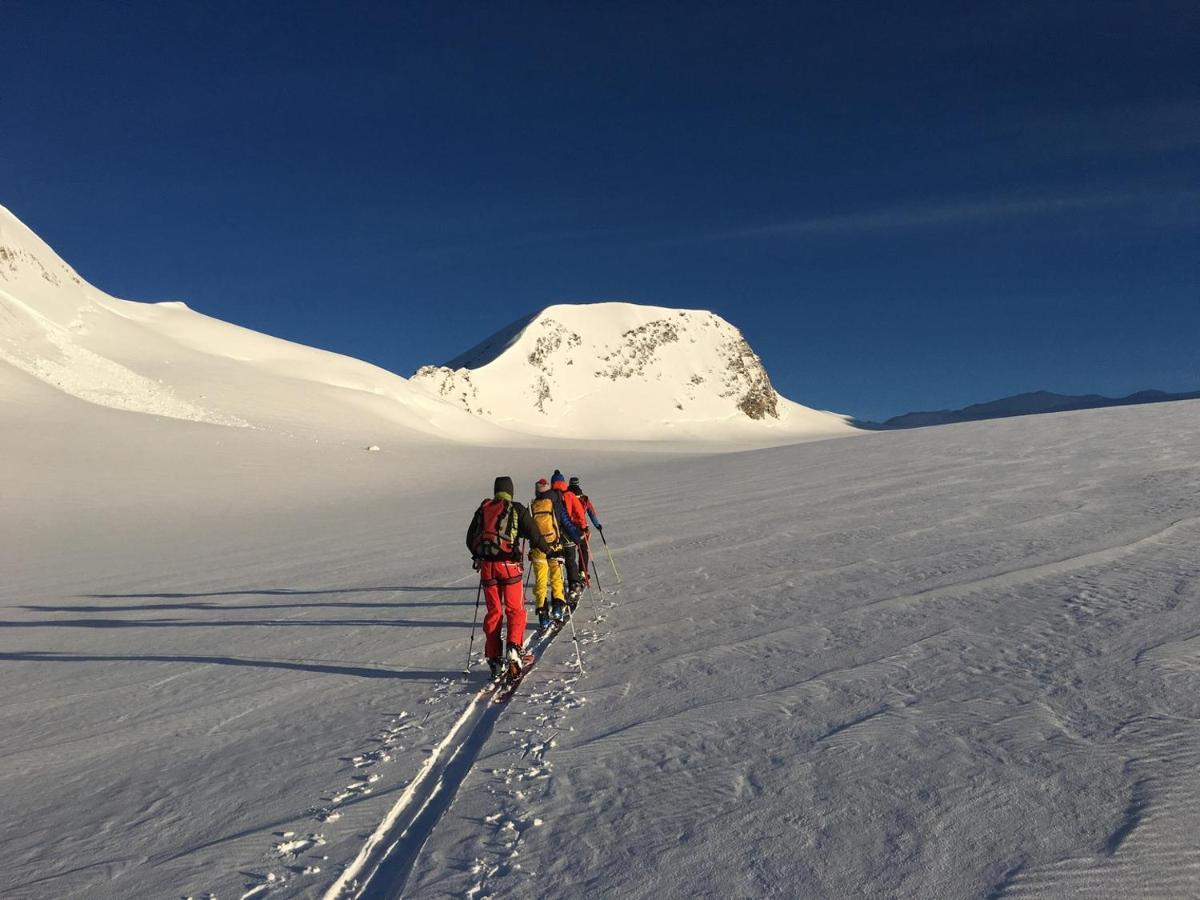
column 378, row 849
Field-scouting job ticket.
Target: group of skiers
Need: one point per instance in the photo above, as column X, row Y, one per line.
column 555, row 524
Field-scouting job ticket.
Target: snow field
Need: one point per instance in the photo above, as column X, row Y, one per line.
column 955, row 662
column 909, row 666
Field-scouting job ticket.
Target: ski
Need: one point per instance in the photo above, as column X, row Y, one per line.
column 504, row 691
column 535, row 646
column 551, row 628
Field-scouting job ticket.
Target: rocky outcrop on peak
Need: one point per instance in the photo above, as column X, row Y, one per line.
column 452, row 385
column 746, row 380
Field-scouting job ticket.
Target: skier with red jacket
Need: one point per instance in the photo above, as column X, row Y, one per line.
column 585, row 550
column 573, row 524
column 494, row 539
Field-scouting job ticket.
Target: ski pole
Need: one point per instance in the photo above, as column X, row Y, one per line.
column 596, row 572
column 474, row 621
column 610, row 557
column 575, row 639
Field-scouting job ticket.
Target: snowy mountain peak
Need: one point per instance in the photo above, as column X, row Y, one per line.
column 625, row 370
column 49, row 317
column 163, row 359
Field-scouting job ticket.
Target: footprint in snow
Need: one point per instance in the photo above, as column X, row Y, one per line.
column 441, row 691
column 292, row 846
column 355, row 789
column 260, row 887
column 371, row 758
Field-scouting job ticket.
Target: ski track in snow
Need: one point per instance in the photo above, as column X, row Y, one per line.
column 382, row 868
column 496, row 865
column 300, row 855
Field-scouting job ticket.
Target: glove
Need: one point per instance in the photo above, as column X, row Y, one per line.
column 475, row 563
column 600, row 528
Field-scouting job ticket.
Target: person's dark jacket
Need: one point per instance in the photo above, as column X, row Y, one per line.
column 525, row 529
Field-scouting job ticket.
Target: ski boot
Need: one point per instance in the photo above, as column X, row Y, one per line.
column 558, row 610
column 516, row 660
column 544, row 619
column 496, row 664
column 574, row 595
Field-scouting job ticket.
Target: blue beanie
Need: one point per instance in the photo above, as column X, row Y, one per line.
column 557, row 476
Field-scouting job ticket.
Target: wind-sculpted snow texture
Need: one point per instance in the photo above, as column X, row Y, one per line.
column 957, row 662
column 627, row 371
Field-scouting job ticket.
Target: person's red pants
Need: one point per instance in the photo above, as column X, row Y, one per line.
column 505, row 596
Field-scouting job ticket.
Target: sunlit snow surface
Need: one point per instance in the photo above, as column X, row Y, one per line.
column 166, row 360
column 955, row 662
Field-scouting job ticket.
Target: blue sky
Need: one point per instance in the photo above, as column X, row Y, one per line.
column 903, row 206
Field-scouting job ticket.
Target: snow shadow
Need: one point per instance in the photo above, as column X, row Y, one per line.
column 210, row 607
column 240, row 623
column 321, row 669
column 286, row 592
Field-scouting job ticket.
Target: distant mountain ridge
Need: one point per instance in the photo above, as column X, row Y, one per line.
column 1029, row 404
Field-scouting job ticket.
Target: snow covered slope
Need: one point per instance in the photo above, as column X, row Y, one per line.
column 953, row 662
column 622, row 370
column 166, row 360
column 604, row 371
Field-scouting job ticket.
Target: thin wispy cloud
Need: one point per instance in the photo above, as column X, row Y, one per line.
column 1127, row 130
column 958, row 213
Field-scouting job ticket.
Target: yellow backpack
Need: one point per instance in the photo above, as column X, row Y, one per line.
column 547, row 522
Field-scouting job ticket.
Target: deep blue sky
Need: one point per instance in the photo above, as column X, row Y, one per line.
column 902, row 205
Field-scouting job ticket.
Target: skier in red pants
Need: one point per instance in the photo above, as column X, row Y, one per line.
column 494, row 539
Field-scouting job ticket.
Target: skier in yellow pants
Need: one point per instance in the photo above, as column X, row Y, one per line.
column 547, row 572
